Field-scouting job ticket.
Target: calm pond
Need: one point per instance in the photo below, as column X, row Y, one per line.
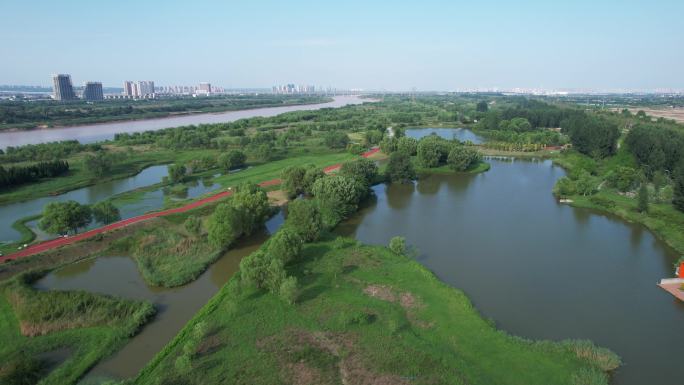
column 538, row 268
column 105, row 131
column 119, row 276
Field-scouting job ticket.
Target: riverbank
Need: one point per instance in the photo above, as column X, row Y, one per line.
column 209, row 109
column 366, row 315
column 662, row 219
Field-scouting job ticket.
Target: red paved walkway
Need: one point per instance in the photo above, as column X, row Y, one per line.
column 51, row 244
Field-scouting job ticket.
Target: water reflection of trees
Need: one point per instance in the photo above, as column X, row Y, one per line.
column 428, row 184
column 399, row 194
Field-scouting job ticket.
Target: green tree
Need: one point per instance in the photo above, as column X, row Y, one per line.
column 338, row 197
column 678, row 190
column 482, row 106
column 407, row 145
column 305, row 219
column 251, row 202
column 433, row 151
column 336, row 139
column 275, row 275
column 62, row 217
column 176, row 173
column 565, row 187
column 225, row 225
column 362, row 169
column 100, row 163
column 231, row 160
column 254, row 269
column 586, row 184
column 193, row 225
column 289, row 290
column 642, row 198
column 398, row 245
column 313, row 173
column 293, row 180
column 400, row 169
column 285, row 245
column 461, row 158
column 373, row 137
column 389, row 145
column 659, row 181
column 590, row 135
column 105, row 212
column 624, row 178
column 262, row 152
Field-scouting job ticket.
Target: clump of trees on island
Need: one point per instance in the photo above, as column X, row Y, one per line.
column 430, row 151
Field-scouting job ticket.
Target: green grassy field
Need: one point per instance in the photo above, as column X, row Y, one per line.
column 364, row 315
column 80, row 327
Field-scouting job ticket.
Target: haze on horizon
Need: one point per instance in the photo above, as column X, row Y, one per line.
column 391, row 45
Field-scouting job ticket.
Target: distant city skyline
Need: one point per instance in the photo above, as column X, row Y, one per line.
column 382, row 45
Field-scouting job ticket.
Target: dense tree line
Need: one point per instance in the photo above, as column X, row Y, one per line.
column 44, row 151
column 18, row 175
column 656, row 147
column 592, row 135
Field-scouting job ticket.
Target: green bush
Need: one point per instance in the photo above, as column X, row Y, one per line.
column 285, row 245
column 398, row 245
column 289, row 290
column 193, row 225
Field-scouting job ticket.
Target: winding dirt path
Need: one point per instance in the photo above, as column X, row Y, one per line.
column 58, row 242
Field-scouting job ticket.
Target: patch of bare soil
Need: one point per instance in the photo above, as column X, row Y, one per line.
column 381, row 292
column 303, row 374
column 407, row 300
column 676, row 114
column 385, row 293
column 351, row 368
column 277, row 197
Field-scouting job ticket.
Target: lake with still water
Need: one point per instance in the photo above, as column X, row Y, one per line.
column 538, row 268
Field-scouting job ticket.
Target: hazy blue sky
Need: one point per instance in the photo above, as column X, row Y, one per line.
column 427, row 44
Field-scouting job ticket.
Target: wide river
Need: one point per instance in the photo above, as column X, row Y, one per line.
column 538, row 268
column 105, row 131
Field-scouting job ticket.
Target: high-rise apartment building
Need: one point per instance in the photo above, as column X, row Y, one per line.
column 128, row 89
column 93, row 91
column 145, row 89
column 204, row 88
column 63, row 89
column 139, row 90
